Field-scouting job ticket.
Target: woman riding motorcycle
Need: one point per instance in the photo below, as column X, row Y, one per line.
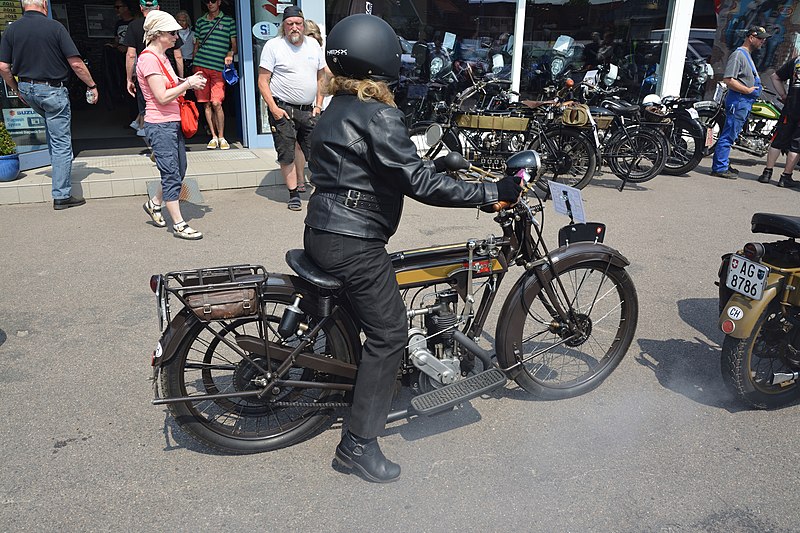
column 362, row 165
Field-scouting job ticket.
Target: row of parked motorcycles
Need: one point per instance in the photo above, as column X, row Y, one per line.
column 251, row 361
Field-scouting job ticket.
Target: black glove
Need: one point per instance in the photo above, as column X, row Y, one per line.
column 509, row 189
column 439, row 164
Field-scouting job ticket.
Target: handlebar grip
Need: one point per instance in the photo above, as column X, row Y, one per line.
column 499, row 206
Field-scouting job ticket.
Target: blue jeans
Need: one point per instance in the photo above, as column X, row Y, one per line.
column 53, row 104
column 169, row 149
column 736, row 111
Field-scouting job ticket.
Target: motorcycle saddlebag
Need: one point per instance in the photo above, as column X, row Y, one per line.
column 222, row 304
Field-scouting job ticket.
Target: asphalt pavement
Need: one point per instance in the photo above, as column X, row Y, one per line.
column 661, row 446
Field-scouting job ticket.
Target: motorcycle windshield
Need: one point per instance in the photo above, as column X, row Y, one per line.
column 563, row 44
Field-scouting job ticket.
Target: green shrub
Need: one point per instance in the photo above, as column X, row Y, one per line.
column 7, row 145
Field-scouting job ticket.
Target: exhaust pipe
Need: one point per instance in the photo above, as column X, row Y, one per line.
column 783, row 377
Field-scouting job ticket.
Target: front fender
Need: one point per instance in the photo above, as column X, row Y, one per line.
column 743, row 312
column 514, row 312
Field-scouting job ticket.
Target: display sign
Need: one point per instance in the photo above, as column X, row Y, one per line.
column 10, row 10
column 23, row 120
column 100, row 21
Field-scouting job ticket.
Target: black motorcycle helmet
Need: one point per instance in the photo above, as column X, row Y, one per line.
column 363, row 47
column 528, row 160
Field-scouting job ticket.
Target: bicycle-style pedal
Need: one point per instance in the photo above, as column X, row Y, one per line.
column 451, row 395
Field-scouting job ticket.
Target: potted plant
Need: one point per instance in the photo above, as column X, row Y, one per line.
column 9, row 158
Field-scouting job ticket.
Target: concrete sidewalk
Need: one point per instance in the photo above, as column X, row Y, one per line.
column 127, row 175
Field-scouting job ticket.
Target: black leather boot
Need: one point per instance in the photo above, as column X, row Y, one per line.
column 364, row 457
column 765, row 176
column 787, row 181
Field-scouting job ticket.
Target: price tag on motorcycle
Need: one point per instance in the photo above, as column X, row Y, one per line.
column 747, row 277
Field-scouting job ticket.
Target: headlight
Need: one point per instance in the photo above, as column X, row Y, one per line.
column 557, row 65
column 702, row 77
column 436, row 65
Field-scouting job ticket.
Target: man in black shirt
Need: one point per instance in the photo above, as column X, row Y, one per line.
column 787, row 134
column 40, row 52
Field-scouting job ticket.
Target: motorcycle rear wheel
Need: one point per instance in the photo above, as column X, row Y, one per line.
column 639, row 155
column 686, row 149
column 604, row 300
column 206, row 365
column 571, row 160
column 714, row 119
column 748, row 364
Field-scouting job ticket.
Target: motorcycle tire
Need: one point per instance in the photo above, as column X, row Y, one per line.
column 748, row 364
column 205, row 364
column 639, row 155
column 567, row 157
column 686, row 149
column 580, row 365
column 712, row 118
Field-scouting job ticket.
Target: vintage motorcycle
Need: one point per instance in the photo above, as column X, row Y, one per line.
column 251, row 361
column 759, row 299
column 758, row 130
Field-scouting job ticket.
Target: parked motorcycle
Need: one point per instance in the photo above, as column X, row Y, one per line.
column 251, row 361
column 687, row 136
column 759, row 298
column 758, row 130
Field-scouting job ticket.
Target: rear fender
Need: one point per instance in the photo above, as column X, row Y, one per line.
column 694, row 127
column 514, row 312
column 276, row 284
column 744, row 312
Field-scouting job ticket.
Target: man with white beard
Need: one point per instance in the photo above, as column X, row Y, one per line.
column 290, row 77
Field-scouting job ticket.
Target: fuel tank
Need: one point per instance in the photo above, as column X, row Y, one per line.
column 767, row 110
column 426, row 266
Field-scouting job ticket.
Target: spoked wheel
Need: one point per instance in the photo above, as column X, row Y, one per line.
column 207, row 364
column 639, row 155
column 686, row 149
column 570, row 359
column 567, row 158
column 748, row 364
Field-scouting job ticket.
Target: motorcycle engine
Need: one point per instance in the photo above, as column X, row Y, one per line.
column 431, row 349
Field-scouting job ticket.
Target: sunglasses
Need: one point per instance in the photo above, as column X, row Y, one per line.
column 211, row 1
column 174, row 33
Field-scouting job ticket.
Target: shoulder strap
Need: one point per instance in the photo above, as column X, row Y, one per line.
column 160, row 64
column 749, row 60
column 214, row 27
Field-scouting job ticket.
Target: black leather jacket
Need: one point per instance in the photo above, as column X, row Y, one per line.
column 364, row 147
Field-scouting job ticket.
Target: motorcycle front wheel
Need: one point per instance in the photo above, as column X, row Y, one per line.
column 206, row 364
column 638, row 154
column 748, row 364
column 604, row 305
column 686, row 149
column 567, row 157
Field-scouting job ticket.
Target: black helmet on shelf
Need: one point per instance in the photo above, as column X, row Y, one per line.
column 527, row 160
column 363, row 47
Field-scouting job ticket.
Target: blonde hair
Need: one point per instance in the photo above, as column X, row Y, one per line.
column 312, row 30
column 363, row 89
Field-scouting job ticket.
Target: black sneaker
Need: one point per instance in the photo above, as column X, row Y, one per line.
column 733, row 170
column 765, row 176
column 65, row 203
column 727, row 174
column 787, row 181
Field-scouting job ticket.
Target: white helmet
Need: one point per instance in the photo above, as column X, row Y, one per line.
column 651, row 99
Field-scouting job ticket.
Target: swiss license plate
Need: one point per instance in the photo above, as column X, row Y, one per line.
column 747, row 277
column 709, row 136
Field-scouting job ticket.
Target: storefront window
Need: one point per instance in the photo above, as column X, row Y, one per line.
column 26, row 127
column 267, row 18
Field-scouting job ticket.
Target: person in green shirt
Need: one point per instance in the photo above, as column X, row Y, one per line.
column 214, row 48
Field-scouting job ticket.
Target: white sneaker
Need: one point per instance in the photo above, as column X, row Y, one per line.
column 223, row 144
column 213, row 144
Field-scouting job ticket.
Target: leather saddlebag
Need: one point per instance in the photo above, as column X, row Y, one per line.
column 223, row 304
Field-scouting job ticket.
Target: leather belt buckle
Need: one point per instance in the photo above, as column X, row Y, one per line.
column 352, row 198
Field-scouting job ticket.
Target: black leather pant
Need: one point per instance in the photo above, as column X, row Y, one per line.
column 365, row 268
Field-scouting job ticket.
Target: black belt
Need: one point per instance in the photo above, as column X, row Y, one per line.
column 355, row 199
column 51, row 83
column 304, row 107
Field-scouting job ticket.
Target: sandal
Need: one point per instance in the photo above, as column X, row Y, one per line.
column 295, row 204
column 154, row 210
column 182, row 230
column 301, row 187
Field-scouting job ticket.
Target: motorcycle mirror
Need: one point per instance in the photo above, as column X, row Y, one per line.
column 433, row 134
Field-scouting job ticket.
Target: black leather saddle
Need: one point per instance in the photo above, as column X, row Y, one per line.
column 785, row 225
column 304, row 267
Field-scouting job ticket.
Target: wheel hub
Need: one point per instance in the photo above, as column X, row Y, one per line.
column 582, row 330
column 246, row 374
